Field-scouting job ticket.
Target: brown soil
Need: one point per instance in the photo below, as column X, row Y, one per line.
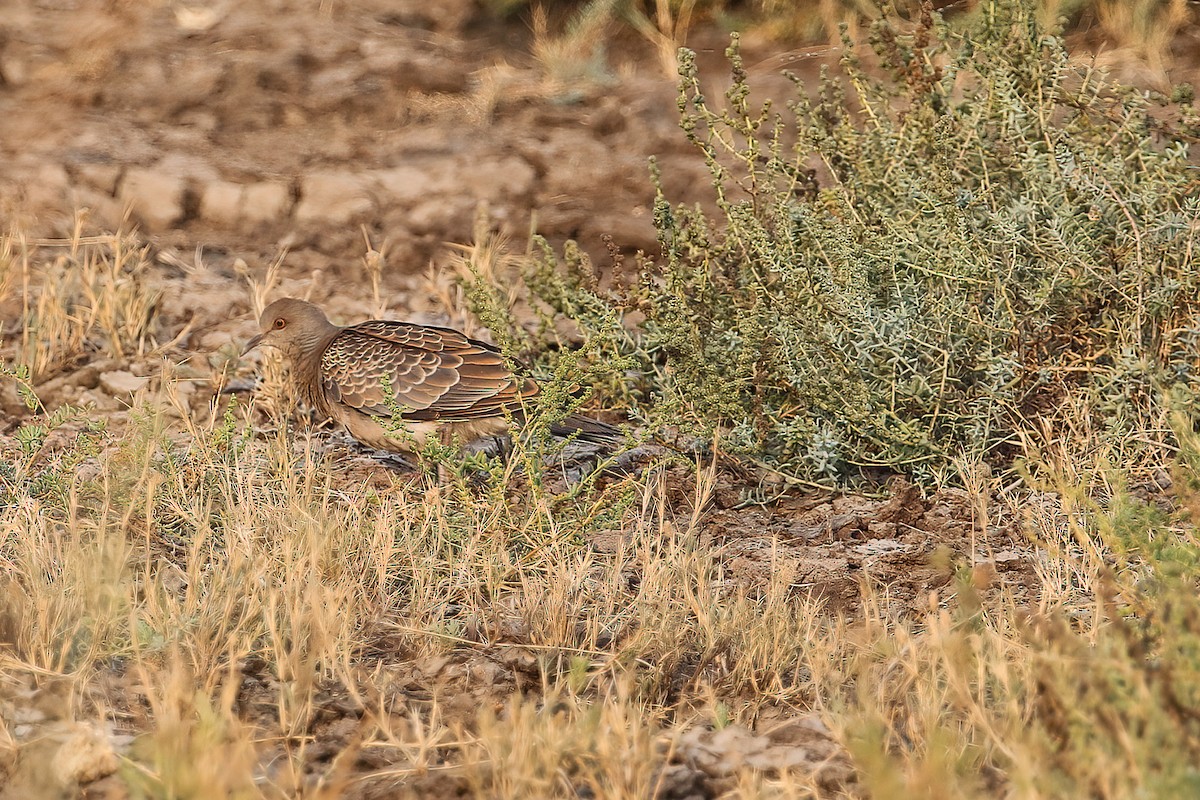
column 244, row 134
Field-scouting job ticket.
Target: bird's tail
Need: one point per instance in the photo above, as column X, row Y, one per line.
column 588, row 430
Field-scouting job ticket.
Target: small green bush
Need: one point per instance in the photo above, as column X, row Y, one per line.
column 904, row 270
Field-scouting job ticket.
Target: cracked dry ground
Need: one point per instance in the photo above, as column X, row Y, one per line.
column 236, row 137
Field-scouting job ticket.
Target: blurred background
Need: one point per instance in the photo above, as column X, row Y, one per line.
column 227, row 132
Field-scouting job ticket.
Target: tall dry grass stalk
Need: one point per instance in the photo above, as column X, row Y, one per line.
column 665, row 26
column 1149, row 27
column 240, row 583
column 94, row 292
column 577, row 53
column 238, row 613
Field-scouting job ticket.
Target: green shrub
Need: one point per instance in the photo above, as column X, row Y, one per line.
column 902, row 271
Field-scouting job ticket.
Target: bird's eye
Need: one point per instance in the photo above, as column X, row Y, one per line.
column 279, row 323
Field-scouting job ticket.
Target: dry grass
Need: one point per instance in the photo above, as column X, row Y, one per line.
column 1146, row 27
column 263, row 625
column 576, row 53
column 665, row 26
column 91, row 297
column 1127, row 31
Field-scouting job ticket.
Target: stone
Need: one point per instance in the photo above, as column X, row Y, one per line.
column 121, row 382
column 1008, row 560
column 266, row 201
column 100, row 176
column 631, row 229
column 447, row 218
column 444, row 16
column 13, row 70
column 98, row 401
column 64, row 387
column 191, row 20
column 408, row 185
column 221, row 202
column 333, row 197
column 155, row 198
column 100, row 209
column 501, row 178
column 53, row 179
column 234, row 205
column 11, row 403
column 183, row 163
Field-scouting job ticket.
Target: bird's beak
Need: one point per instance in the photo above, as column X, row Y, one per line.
column 253, row 343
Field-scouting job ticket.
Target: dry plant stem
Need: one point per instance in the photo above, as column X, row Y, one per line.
column 202, row 594
column 230, row 612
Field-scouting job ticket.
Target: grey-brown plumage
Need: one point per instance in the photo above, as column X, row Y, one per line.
column 438, row 379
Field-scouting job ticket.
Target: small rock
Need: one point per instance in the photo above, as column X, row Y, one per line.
column 186, row 164
column 802, row 531
column 179, row 403
column 86, row 377
column 845, row 525
column 85, row 755
column 1008, row 560
column 48, row 186
column 100, row 176
column 239, row 386
column 493, row 180
column 221, row 202
column 268, row 201
column 408, row 185
column 881, row 530
column 335, row 197
column 121, row 382
column 608, row 541
column 193, row 20
column 631, row 230
column 103, row 210
column 448, row 217
column 98, row 401
column 155, row 198
column 67, row 395
column 487, row 673
column 13, row 71
column 881, row 547
column 11, row 403
column 186, row 387
column 445, row 16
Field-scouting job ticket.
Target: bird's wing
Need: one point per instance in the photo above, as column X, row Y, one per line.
column 425, row 373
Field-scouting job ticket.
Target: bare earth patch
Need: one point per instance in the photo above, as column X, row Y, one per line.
column 209, row 598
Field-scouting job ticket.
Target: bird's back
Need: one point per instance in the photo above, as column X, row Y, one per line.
column 423, row 372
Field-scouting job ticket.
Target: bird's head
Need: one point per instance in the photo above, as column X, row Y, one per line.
column 294, row 327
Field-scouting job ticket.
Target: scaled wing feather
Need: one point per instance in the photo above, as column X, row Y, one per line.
column 424, row 372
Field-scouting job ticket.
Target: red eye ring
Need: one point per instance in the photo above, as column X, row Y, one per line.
column 279, row 323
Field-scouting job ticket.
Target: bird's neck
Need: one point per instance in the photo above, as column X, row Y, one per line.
column 306, row 364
